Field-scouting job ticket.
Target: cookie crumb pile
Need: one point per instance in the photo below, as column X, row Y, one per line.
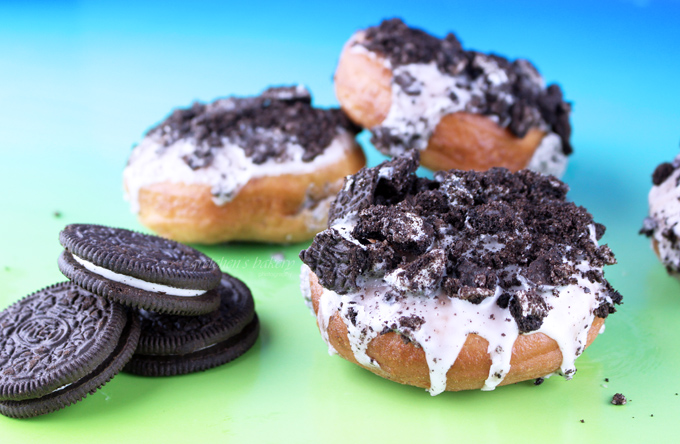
column 619, row 399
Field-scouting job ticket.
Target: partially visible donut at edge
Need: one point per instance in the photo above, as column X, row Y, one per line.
column 661, row 225
column 462, row 109
column 261, row 168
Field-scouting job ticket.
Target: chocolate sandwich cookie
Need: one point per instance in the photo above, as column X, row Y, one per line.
column 140, row 270
column 173, row 345
column 59, row 344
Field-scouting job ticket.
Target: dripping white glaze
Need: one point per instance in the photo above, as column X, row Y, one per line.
column 151, row 163
column 446, row 321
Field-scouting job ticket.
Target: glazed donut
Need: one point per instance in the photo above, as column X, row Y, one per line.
column 661, row 226
column 258, row 169
column 468, row 280
column 462, row 109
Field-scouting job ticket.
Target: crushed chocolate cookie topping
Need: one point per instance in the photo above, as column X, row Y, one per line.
column 263, row 126
column 403, row 46
column 474, row 235
column 513, row 92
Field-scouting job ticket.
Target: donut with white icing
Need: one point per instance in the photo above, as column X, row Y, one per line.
column 259, row 168
column 468, row 280
column 661, row 226
column 461, row 109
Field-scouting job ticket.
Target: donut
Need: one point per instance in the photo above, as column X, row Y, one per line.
column 259, row 168
column 661, row 226
column 462, row 109
column 469, row 280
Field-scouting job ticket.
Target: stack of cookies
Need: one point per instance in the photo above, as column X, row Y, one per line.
column 135, row 302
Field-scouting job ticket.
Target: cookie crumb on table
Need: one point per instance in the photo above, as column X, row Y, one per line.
column 619, row 399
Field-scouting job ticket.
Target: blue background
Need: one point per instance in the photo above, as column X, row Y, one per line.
column 87, row 79
column 80, row 82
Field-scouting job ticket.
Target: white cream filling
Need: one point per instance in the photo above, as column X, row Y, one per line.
column 417, row 116
column 664, row 209
column 135, row 282
column 448, row 321
column 152, row 163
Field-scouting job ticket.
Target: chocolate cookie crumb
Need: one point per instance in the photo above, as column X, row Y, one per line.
column 56, row 214
column 539, row 381
column 262, row 126
column 528, row 308
column 619, row 399
column 662, row 172
column 582, row 421
column 464, row 234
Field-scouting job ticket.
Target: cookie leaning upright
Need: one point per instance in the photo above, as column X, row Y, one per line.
column 59, row 344
column 139, row 270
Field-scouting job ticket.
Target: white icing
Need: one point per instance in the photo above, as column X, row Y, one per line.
column 418, row 115
column 325, row 311
column 315, row 211
column 305, row 288
column 571, row 316
column 549, row 157
column 135, row 282
column 448, row 320
column 664, row 211
column 152, row 163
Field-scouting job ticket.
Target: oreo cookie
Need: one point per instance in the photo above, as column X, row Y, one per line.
column 59, row 344
column 140, row 270
column 174, row 345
